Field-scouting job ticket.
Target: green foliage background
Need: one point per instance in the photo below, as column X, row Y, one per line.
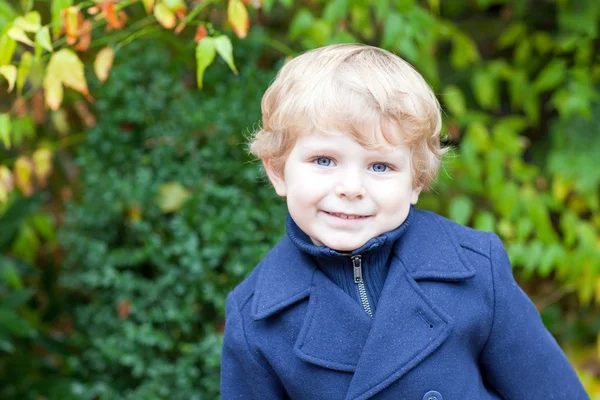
column 123, row 296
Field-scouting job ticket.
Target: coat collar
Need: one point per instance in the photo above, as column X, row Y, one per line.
column 336, row 332
column 286, row 273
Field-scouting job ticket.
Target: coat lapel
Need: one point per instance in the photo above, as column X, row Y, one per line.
column 408, row 326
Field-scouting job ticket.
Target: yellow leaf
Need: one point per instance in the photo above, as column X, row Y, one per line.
column 23, row 169
column 42, row 164
column 42, row 37
column 148, row 5
column 172, row 196
column 19, row 35
column 5, row 127
column 64, row 68
column 238, row 18
column 10, row 73
column 103, row 63
column 6, row 183
column 174, row 4
column 23, row 71
column 164, row 16
column 30, row 22
column 205, row 54
column 54, row 93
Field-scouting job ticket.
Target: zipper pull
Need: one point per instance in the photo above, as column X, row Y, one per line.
column 356, row 263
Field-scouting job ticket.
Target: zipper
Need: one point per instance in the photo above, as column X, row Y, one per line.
column 358, row 279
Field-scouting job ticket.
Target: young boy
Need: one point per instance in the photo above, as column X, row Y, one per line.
column 366, row 296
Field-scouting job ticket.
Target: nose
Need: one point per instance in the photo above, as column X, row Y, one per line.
column 350, row 186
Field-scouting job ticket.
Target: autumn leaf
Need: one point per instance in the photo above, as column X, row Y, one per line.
column 72, row 21
column 108, row 9
column 103, row 63
column 237, row 16
column 200, row 33
column 148, row 5
column 225, row 50
column 85, row 36
column 172, row 196
column 205, row 54
column 6, row 183
column 165, row 16
column 42, row 165
column 56, row 11
column 10, row 73
column 64, row 68
column 124, row 308
column 23, row 170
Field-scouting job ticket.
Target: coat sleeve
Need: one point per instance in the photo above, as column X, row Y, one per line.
column 242, row 375
column 521, row 359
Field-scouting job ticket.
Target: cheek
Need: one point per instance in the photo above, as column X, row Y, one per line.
column 393, row 197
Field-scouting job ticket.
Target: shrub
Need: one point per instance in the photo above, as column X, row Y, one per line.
column 172, row 214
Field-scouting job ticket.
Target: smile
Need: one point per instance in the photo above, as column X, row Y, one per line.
column 347, row 216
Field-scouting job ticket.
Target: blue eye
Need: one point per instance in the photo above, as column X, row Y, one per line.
column 323, row 161
column 380, row 167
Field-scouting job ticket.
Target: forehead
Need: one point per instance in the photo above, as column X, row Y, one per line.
column 341, row 141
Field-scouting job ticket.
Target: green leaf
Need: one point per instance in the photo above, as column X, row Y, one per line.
column 551, row 76
column 5, row 130
column 512, row 35
column 9, row 275
column 464, row 51
column 267, row 5
column 454, row 100
column 31, row 22
column 485, row 89
column 461, row 209
column 7, row 49
column 485, row 221
column 55, row 9
column 7, row 13
column 42, row 38
column 14, row 323
column 17, row 298
column 205, row 55
column 24, row 68
column 301, row 23
column 225, row 50
column 172, row 196
column 13, row 218
column 335, row 10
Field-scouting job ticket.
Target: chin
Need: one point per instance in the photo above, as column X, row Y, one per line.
column 343, row 247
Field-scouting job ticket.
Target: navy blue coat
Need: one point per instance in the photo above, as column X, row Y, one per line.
column 451, row 324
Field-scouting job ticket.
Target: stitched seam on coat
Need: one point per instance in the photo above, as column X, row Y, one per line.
column 245, row 337
column 493, row 292
column 467, row 247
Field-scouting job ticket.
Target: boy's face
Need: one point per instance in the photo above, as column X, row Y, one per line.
column 342, row 194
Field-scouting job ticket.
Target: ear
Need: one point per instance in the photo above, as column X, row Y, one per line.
column 414, row 197
column 276, row 179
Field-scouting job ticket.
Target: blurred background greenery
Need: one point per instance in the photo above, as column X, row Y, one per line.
column 129, row 206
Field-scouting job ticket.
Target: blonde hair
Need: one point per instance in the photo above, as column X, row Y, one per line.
column 361, row 90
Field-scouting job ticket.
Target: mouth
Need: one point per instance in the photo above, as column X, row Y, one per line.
column 347, row 216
